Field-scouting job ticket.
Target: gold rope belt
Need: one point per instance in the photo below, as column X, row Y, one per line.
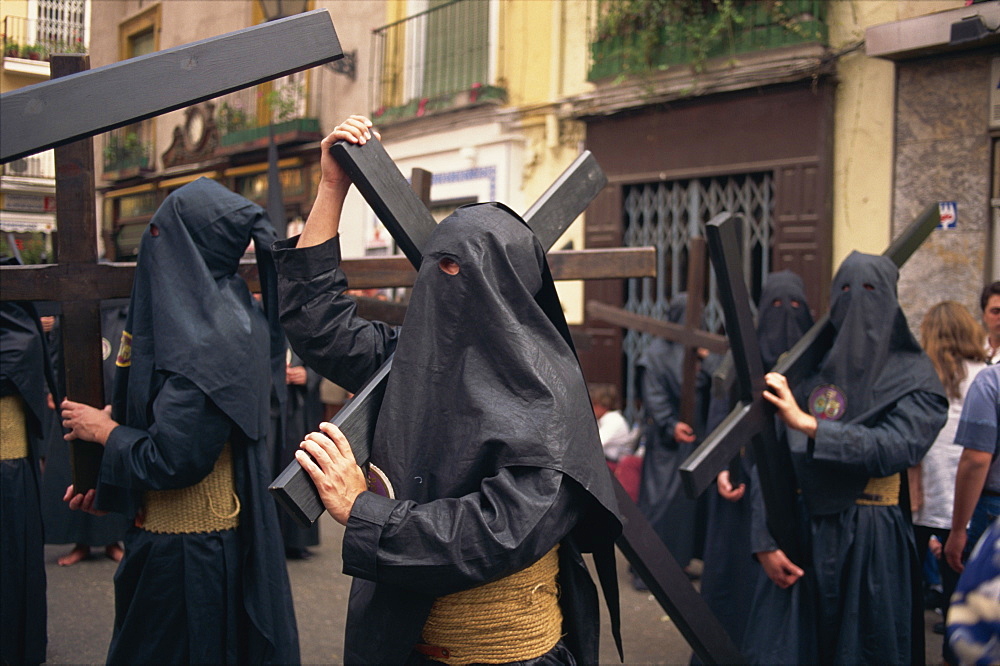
column 211, row 505
column 13, row 428
column 511, row 619
column 882, row 491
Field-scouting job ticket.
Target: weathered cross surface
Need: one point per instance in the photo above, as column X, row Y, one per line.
column 68, row 110
column 387, row 193
column 753, row 417
column 688, row 334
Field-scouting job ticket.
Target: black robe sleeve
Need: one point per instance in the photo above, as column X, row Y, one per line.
column 180, row 448
column 322, row 325
column 449, row 545
column 898, row 440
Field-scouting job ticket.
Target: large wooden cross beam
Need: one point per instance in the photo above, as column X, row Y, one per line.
column 68, row 110
column 382, row 184
column 688, row 334
column 753, row 417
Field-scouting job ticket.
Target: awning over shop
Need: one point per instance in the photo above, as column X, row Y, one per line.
column 17, row 222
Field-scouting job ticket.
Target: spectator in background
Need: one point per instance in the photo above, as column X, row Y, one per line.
column 989, row 301
column 977, row 482
column 951, row 337
column 617, row 437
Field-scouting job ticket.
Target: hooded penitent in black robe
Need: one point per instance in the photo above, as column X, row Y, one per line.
column 879, row 406
column 197, row 374
column 62, row 524
column 23, row 373
column 486, row 432
column 662, row 499
column 727, row 582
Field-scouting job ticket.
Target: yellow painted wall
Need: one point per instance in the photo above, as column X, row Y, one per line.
column 13, row 81
column 863, row 124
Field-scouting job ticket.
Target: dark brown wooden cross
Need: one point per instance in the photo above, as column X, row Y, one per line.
column 387, row 193
column 688, row 334
column 753, row 417
column 65, row 112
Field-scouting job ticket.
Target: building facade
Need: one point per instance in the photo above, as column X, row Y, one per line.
column 32, row 31
column 226, row 138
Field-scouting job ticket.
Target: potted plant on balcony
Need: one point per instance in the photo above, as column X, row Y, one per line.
column 34, row 52
column 11, row 50
column 125, row 155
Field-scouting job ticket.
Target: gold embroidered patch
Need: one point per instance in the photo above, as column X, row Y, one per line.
column 124, row 359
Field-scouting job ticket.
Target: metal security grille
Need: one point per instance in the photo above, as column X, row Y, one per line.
column 63, row 23
column 666, row 215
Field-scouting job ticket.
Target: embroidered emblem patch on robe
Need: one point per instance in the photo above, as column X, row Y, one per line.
column 124, row 359
column 827, row 402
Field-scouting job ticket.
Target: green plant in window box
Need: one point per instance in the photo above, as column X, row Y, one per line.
column 283, row 102
column 231, row 118
column 34, row 52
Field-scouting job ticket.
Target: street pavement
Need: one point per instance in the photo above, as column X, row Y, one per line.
column 81, row 611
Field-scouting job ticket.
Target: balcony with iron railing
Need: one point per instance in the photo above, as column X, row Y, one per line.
column 128, row 151
column 37, row 39
column 642, row 36
column 434, row 61
column 246, row 117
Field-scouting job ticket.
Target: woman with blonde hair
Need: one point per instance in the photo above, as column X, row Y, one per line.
column 952, row 338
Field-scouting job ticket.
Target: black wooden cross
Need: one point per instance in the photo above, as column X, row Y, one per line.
column 688, row 334
column 386, row 191
column 73, row 107
column 753, row 417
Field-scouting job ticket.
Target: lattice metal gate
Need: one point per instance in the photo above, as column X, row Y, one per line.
column 667, row 214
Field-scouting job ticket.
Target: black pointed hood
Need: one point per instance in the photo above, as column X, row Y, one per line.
column 191, row 313
column 483, row 369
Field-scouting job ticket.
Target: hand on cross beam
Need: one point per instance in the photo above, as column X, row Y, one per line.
column 323, row 222
column 328, row 459
column 87, row 423
column 788, row 408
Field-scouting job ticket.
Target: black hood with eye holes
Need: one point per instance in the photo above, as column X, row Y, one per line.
column 783, row 315
column 484, row 376
column 191, row 313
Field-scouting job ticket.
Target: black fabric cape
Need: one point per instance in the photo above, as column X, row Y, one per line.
column 486, row 431
column 856, row 602
column 730, row 573
column 23, row 372
column 63, row 525
column 662, row 499
column 197, row 373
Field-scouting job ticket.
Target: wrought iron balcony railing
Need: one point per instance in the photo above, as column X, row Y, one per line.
column 38, row 39
column 436, row 60
column 636, row 36
column 282, row 104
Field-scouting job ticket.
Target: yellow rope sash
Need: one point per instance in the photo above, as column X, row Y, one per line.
column 211, row 505
column 511, row 619
column 882, row 491
column 13, row 428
